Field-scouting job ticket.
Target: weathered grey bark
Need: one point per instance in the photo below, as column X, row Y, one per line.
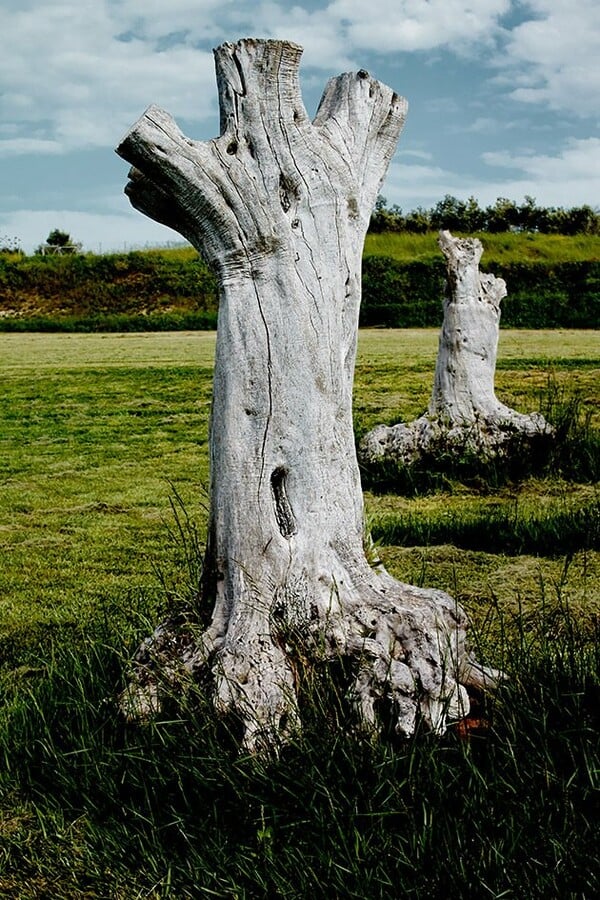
column 464, row 413
column 280, row 207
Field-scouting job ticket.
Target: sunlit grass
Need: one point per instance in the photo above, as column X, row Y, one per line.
column 96, row 429
column 87, row 458
column 497, row 247
column 39, row 351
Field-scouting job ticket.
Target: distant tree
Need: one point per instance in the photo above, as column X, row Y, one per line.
column 418, row 221
column 581, row 220
column 529, row 216
column 468, row 217
column 502, row 216
column 58, row 238
column 457, row 215
column 384, row 219
column 474, row 216
column 449, row 213
column 59, row 242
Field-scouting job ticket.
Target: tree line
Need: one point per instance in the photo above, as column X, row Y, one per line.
column 465, row 216
column 468, row 216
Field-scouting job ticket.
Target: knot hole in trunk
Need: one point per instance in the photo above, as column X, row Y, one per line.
column 289, row 192
column 283, row 510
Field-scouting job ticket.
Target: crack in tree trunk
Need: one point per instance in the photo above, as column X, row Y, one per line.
column 280, row 207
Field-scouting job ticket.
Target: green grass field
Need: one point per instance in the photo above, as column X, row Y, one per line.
column 100, row 437
column 98, row 431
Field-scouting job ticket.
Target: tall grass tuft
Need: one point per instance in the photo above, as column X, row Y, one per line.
column 575, row 452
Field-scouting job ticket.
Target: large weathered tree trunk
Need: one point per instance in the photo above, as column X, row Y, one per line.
column 464, row 413
column 280, row 207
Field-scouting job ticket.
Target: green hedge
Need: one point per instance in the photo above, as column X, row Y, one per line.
column 401, row 295
column 409, row 295
column 120, row 322
column 564, row 295
column 173, row 290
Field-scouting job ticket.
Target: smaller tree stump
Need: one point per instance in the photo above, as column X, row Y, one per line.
column 464, row 414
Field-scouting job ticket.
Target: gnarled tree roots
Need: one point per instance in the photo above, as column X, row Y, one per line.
column 406, row 647
column 496, row 435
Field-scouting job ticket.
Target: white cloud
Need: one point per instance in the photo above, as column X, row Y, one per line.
column 488, row 125
column 411, row 185
column 20, row 146
column 83, row 70
column 419, row 24
column 566, row 193
column 80, row 72
column 77, row 73
column 556, row 55
column 570, row 178
column 66, row 71
column 153, row 19
column 418, row 154
column 579, row 160
column 319, row 34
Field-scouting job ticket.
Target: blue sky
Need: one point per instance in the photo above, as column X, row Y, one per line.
column 503, row 97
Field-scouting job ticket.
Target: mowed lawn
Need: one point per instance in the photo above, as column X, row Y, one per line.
column 101, row 434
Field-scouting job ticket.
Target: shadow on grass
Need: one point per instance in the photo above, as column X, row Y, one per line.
column 563, row 529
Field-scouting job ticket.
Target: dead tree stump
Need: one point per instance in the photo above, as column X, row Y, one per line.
column 280, row 206
column 464, row 413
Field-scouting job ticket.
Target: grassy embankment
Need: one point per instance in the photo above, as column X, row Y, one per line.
column 497, row 248
column 97, row 434
column 553, row 280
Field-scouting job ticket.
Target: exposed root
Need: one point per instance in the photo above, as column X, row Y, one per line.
column 483, row 436
column 406, row 646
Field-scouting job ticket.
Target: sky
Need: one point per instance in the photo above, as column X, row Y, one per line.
column 503, row 98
